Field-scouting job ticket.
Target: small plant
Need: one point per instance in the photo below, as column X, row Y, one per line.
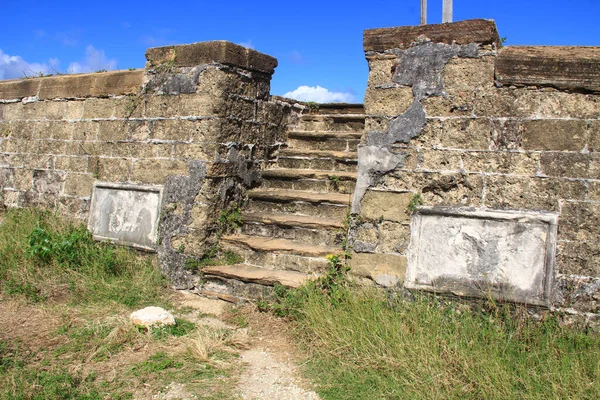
column 213, row 257
column 131, row 104
column 335, row 182
column 181, row 328
column 415, row 202
column 230, row 219
column 101, row 70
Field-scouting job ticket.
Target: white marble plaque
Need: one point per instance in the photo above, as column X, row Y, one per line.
column 508, row 255
column 126, row 214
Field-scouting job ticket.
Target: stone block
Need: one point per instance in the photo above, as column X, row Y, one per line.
column 556, row 104
column 506, row 102
column 205, row 151
column 507, row 134
column 10, row 198
column 554, row 134
column 479, row 31
column 19, row 89
column 137, row 130
column 13, row 111
column 563, row 67
column 129, row 107
column 506, row 255
column 110, row 169
column 176, row 130
column 19, row 130
column 112, row 130
column 393, row 237
column 579, row 221
column 157, row 171
column 445, row 189
column 17, row 146
column 79, row 184
column 389, row 102
column 221, row 52
column 7, row 178
column 440, row 160
column 469, row 73
column 117, row 83
column 457, row 103
column 36, row 161
column 34, row 111
column 55, row 110
column 365, row 238
column 58, row 130
column 385, row 269
column 389, row 206
column 85, row 130
column 98, row 108
column 71, row 164
column 66, row 86
column 456, row 133
column 381, row 71
column 200, row 104
column 543, row 194
column 74, row 110
column 514, row 163
column 132, row 150
column 162, row 150
column 126, row 214
column 49, row 146
column 594, row 191
column 162, row 106
column 578, row 258
column 23, row 178
column 594, row 136
column 569, row 165
column 47, row 183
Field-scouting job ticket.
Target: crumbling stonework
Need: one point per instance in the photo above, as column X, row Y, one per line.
column 198, row 120
column 454, row 120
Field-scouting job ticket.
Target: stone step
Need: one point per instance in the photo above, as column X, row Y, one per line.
column 309, row 180
column 315, row 154
column 319, row 159
column 301, row 229
column 279, row 246
column 286, row 196
column 324, row 141
column 323, row 210
column 332, row 122
column 262, row 276
column 279, row 261
column 300, row 221
column 338, row 108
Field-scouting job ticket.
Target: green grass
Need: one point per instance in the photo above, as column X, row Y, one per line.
column 363, row 348
column 44, row 257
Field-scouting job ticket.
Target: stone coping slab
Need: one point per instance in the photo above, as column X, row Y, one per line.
column 218, row 51
column 480, row 31
column 562, row 67
column 508, row 255
column 101, row 84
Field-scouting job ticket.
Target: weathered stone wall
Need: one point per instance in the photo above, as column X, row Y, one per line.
column 456, row 120
column 198, row 120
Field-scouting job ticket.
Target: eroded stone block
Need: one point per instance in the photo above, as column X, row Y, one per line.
column 506, row 255
column 126, row 214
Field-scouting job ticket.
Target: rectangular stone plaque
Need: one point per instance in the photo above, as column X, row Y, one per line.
column 508, row 255
column 126, row 214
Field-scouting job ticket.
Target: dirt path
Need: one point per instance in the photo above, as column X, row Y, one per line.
column 271, row 361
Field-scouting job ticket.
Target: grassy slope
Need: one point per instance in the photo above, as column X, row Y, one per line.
column 427, row 349
column 64, row 299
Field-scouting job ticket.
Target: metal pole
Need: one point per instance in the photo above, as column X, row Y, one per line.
column 447, row 11
column 423, row 12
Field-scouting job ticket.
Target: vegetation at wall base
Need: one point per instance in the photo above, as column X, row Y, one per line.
column 363, row 345
column 43, row 257
column 64, row 326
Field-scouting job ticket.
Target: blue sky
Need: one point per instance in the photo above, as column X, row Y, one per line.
column 317, row 43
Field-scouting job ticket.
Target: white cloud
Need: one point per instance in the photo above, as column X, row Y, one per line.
column 320, row 95
column 95, row 60
column 13, row 67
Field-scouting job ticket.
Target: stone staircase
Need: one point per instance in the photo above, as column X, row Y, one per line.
column 296, row 217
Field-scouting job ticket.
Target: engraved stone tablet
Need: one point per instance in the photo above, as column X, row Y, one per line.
column 126, row 214
column 508, row 255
